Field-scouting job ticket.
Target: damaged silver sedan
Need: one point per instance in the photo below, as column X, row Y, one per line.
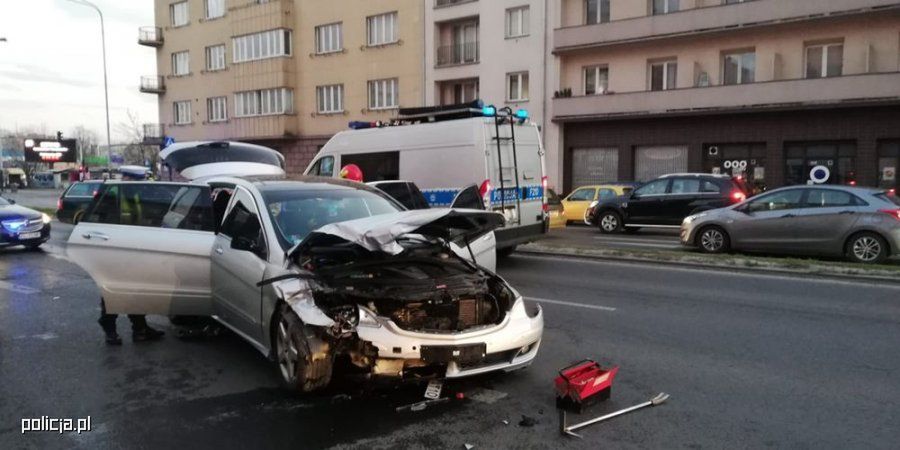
column 315, row 273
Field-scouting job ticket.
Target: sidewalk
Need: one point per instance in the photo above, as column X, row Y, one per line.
column 34, row 198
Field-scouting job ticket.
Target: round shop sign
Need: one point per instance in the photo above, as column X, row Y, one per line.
column 819, row 174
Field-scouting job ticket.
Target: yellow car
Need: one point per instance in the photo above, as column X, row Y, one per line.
column 556, row 210
column 577, row 203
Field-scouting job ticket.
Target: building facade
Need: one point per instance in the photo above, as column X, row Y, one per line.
column 765, row 89
column 283, row 73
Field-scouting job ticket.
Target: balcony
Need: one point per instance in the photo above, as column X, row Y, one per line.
column 153, row 134
column 710, row 20
column 150, row 36
column 153, row 85
column 457, row 54
column 443, row 3
column 850, row 90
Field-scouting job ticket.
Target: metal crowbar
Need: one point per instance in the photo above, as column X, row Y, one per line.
column 564, row 429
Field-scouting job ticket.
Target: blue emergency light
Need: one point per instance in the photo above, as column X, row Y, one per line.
column 489, row 111
column 522, row 114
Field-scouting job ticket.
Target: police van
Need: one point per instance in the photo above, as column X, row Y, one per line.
column 461, row 156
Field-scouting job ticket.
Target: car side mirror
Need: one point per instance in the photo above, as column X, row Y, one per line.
column 11, row 201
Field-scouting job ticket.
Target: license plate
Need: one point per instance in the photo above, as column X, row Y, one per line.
column 464, row 354
column 433, row 391
column 35, row 235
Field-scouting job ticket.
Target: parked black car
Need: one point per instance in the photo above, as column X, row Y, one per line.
column 75, row 199
column 22, row 226
column 666, row 201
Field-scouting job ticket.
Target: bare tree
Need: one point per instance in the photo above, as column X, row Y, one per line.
column 135, row 151
column 87, row 140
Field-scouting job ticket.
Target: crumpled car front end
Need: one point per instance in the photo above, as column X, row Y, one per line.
column 414, row 311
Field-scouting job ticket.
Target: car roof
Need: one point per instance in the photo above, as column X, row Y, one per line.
column 705, row 175
column 858, row 190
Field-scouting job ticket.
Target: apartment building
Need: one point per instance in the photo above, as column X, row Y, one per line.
column 766, row 89
column 283, row 73
column 494, row 50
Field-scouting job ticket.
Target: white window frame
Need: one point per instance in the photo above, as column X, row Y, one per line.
column 175, row 14
column 823, row 73
column 267, row 44
column 666, row 8
column 217, row 109
column 518, row 22
column 665, row 66
column 597, row 88
column 214, row 9
column 215, row 57
column 384, row 94
column 329, row 38
column 264, row 102
column 182, row 112
column 740, row 69
column 522, row 79
column 330, row 99
column 600, row 10
column 181, row 63
column 382, row 29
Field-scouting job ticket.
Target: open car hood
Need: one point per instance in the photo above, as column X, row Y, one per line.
column 380, row 233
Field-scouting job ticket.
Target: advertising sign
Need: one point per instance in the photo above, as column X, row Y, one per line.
column 889, row 173
column 50, row 150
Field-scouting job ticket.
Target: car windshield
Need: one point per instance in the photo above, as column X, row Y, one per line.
column 297, row 212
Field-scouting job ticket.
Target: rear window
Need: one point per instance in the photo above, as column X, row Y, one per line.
column 83, row 190
column 888, row 198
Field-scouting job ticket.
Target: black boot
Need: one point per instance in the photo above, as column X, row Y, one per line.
column 112, row 337
column 145, row 334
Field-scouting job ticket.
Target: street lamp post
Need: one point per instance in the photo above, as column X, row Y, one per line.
column 105, row 85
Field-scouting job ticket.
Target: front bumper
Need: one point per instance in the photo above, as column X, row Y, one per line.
column 8, row 238
column 688, row 228
column 511, row 345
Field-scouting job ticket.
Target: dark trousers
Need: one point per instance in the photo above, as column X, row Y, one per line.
column 108, row 321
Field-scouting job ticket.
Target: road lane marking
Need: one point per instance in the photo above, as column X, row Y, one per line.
column 577, row 305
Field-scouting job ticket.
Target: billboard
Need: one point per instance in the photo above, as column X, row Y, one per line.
column 50, row 150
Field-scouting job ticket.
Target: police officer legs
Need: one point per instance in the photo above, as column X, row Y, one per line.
column 140, row 330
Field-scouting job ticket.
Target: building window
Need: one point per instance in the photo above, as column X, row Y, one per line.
column 330, row 99
column 663, row 6
column 837, row 157
column 215, row 9
column 663, row 75
column 731, row 2
column 216, row 109
column 517, row 20
column 215, row 57
column 825, row 60
column 183, row 112
column 267, row 44
column 596, row 80
column 263, row 102
column 329, row 38
column 179, row 14
column 888, row 160
column 181, row 63
column 381, row 29
column 517, row 87
column 383, row 94
column 596, row 11
column 739, row 67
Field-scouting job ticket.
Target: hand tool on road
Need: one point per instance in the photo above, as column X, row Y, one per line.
column 582, row 384
column 568, row 429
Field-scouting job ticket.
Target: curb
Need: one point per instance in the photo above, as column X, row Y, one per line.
column 719, row 267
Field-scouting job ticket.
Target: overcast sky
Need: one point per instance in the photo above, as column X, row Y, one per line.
column 51, row 67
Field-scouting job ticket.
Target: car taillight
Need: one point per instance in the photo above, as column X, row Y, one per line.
column 738, row 196
column 544, row 182
column 895, row 213
column 485, row 191
column 59, row 204
column 852, row 183
column 892, row 191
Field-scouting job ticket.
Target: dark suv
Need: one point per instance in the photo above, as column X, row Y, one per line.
column 666, row 201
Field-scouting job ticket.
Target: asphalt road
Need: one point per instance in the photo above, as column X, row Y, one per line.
column 750, row 360
column 643, row 239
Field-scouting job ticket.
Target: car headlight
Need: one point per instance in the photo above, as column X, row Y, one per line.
column 45, row 218
column 14, row 225
column 594, row 204
column 688, row 220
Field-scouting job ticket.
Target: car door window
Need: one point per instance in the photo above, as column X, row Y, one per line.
column 777, row 201
column 653, row 188
column 708, row 187
column 468, row 198
column 82, row 190
column 685, row 186
column 190, row 210
column 582, row 195
column 146, row 204
column 105, row 208
column 827, row 198
column 606, row 194
column 242, row 225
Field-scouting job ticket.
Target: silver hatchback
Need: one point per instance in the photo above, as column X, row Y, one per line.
column 859, row 223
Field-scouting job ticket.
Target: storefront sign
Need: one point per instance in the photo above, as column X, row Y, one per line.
column 819, row 174
column 889, row 173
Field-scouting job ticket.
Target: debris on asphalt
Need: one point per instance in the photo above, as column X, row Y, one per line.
column 527, row 421
column 469, row 446
column 582, row 384
column 569, row 429
column 420, row 406
column 505, row 422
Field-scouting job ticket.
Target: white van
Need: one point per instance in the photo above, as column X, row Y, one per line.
column 454, row 160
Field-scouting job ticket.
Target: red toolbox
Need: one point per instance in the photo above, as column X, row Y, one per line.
column 582, row 384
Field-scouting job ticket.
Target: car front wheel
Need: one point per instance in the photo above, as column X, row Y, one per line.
column 867, row 248
column 304, row 360
column 713, row 240
column 610, row 222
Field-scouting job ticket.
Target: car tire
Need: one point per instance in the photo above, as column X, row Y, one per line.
column 866, row 248
column 713, row 240
column 304, row 361
column 610, row 222
column 505, row 252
